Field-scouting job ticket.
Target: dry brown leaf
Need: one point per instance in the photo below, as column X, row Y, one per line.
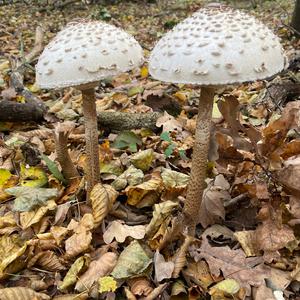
column 156, row 292
column 234, row 264
column 82, row 296
column 121, row 231
column 129, row 295
column 102, row 198
column 148, row 189
column 49, row 261
column 140, row 286
column 21, row 293
column 81, row 239
column 271, row 237
column 198, row 273
column 169, row 123
column 163, row 269
column 29, row 218
column 98, row 268
column 289, row 176
column 212, row 205
column 59, row 233
column 180, row 257
column 247, row 240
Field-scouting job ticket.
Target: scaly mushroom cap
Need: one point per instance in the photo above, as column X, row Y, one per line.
column 85, row 52
column 217, row 45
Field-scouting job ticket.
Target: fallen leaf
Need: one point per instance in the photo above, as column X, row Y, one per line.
column 102, row 198
column 97, row 269
column 132, row 261
column 22, row 293
column 163, row 269
column 28, row 198
column 168, row 123
column 72, row 275
column 107, row 284
column 34, row 177
column 121, row 231
column 143, row 159
column 132, row 176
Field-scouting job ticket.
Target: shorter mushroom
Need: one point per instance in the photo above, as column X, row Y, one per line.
column 79, row 56
column 214, row 47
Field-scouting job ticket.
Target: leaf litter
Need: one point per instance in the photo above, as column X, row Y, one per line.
column 128, row 241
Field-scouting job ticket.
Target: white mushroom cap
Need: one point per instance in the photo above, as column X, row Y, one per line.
column 86, row 52
column 217, row 45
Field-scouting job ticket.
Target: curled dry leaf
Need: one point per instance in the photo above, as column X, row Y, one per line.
column 161, row 212
column 146, row 192
column 247, row 240
column 72, row 275
column 29, row 218
column 198, row 273
column 163, row 269
column 21, row 293
column 11, row 248
column 102, row 198
column 98, row 268
column 140, row 286
column 227, row 286
column 132, row 261
column 132, row 176
column 143, row 159
column 81, row 239
column 180, row 257
column 156, row 292
column 168, row 123
column 121, row 231
column 212, row 205
column 49, row 261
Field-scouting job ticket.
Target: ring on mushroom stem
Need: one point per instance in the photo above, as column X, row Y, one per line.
column 227, row 49
column 80, row 56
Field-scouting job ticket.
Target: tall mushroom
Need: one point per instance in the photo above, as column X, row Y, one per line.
column 79, row 56
column 214, row 47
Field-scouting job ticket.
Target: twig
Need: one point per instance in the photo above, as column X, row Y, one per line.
column 235, row 200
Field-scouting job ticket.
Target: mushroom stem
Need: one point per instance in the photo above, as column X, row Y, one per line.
column 91, row 138
column 61, row 135
column 196, row 185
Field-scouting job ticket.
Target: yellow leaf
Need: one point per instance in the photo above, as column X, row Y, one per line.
column 107, row 284
column 143, row 159
column 11, row 247
column 33, row 88
column 144, row 72
column 161, row 212
column 136, row 193
column 181, row 96
column 102, row 198
column 7, row 180
column 32, row 177
column 77, row 267
column 4, row 176
column 228, row 286
column 29, row 218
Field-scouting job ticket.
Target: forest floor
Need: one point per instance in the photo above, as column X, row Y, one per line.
column 55, row 245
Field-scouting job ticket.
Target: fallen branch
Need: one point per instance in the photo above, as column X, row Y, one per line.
column 118, row 121
column 11, row 111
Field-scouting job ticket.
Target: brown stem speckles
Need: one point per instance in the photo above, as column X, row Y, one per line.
column 91, row 137
column 199, row 160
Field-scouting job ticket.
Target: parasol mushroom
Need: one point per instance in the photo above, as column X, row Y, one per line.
column 214, row 47
column 79, row 56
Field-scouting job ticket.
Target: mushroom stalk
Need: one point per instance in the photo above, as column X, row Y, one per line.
column 196, row 184
column 61, row 145
column 91, row 137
